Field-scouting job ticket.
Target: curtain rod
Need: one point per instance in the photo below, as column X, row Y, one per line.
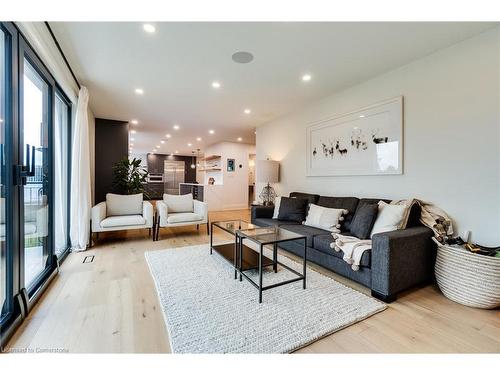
column 62, row 54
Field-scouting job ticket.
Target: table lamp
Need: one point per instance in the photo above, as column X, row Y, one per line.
column 268, row 172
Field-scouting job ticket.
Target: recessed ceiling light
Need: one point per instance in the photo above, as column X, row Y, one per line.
column 198, row 139
column 139, row 91
column 211, row 131
column 361, row 116
column 306, row 77
column 240, row 139
column 247, row 111
column 242, row 57
column 167, row 135
column 157, row 146
column 176, row 127
column 190, row 144
column 132, row 139
column 149, row 28
column 131, row 144
column 133, row 132
column 215, row 84
column 176, row 151
column 134, row 122
column 162, row 141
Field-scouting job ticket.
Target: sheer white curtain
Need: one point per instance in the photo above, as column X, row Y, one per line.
column 80, row 176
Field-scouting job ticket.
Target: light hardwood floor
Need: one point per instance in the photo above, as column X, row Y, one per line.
column 110, row 305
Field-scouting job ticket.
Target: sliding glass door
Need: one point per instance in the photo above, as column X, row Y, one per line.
column 35, row 118
column 3, row 182
column 36, row 202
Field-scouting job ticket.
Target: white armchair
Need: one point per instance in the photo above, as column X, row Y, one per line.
column 122, row 212
column 180, row 210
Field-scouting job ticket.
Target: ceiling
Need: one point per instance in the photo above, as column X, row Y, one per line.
column 176, row 65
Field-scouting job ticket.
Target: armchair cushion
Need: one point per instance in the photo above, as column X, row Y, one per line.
column 123, row 221
column 118, row 205
column 179, row 203
column 201, row 208
column 183, row 217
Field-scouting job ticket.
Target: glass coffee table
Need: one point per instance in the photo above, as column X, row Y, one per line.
column 249, row 257
column 262, row 237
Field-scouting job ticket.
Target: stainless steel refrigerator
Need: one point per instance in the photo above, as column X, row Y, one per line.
column 173, row 175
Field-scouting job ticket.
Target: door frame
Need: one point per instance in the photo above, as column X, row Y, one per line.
column 25, row 52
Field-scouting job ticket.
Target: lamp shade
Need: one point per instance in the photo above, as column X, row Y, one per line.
column 267, row 171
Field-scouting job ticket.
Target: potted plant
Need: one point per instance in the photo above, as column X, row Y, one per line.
column 130, row 177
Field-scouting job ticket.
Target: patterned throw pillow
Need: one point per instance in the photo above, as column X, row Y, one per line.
column 325, row 218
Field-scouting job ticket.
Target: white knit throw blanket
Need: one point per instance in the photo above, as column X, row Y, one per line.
column 431, row 216
column 352, row 247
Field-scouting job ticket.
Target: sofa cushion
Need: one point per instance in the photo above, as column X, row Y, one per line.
column 183, row 217
column 292, row 209
column 347, row 203
column 178, row 203
column 390, row 217
column 324, row 217
column 364, row 218
column 305, row 230
column 265, row 222
column 322, row 243
column 311, row 198
column 123, row 221
column 117, row 204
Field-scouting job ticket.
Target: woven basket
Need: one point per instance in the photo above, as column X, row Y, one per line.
column 468, row 278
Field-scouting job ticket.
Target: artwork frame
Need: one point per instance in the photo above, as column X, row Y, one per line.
column 231, row 165
column 366, row 141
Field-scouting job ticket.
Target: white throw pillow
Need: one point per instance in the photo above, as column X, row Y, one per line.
column 324, row 217
column 389, row 218
column 179, row 203
column 277, row 203
column 120, row 205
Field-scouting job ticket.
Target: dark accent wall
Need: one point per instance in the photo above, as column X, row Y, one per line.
column 111, row 145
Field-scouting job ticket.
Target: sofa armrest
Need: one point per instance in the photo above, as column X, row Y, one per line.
column 147, row 213
column 201, row 208
column 402, row 259
column 162, row 210
column 261, row 212
column 98, row 215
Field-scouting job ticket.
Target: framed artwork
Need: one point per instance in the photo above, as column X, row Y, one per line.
column 230, row 165
column 368, row 141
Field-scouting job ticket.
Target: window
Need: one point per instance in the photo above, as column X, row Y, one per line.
column 36, row 198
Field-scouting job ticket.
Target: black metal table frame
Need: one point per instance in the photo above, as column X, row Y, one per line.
column 235, row 242
column 239, row 245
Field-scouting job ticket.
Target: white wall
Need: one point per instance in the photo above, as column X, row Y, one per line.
column 451, row 136
column 235, row 184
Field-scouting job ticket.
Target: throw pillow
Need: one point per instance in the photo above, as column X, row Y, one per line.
column 363, row 220
column 292, row 209
column 276, row 212
column 389, row 218
column 324, row 217
column 121, row 205
column 178, row 203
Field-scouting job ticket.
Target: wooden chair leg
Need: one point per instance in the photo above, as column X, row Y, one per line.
column 208, row 228
column 198, row 227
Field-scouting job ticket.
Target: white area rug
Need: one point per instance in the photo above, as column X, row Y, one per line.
column 207, row 311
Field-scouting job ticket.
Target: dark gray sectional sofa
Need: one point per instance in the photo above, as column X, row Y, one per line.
column 397, row 261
